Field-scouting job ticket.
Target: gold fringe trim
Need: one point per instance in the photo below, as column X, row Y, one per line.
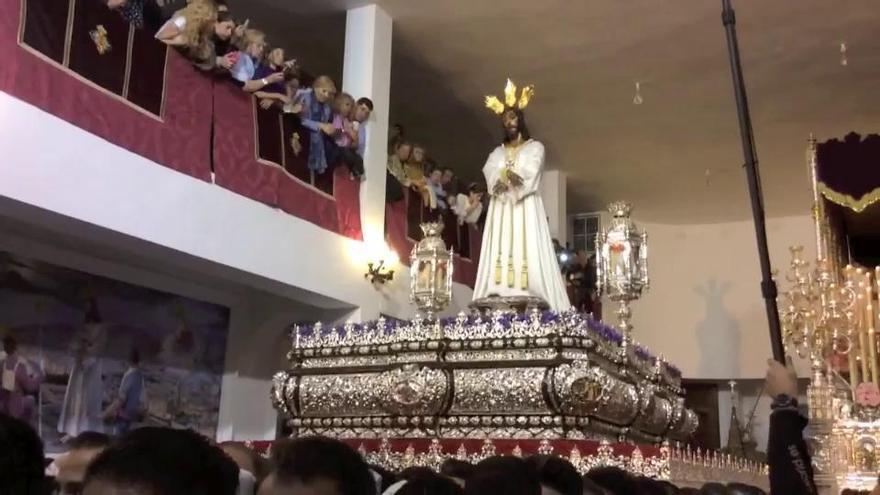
column 842, row 199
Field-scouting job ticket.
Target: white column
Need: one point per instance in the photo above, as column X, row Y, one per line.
column 367, row 72
column 553, row 195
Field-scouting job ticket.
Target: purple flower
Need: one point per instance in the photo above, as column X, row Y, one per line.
column 549, row 317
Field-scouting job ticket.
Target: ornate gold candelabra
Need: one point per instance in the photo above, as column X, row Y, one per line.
column 830, row 319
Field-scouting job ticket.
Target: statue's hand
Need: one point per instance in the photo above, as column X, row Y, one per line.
column 514, row 179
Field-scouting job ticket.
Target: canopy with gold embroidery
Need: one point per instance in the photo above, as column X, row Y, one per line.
column 848, row 171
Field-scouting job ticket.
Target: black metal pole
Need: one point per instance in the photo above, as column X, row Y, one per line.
column 768, row 286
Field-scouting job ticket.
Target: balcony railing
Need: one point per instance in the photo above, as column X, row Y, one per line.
column 402, row 220
column 83, row 63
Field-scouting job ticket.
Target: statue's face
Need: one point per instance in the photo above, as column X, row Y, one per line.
column 510, row 121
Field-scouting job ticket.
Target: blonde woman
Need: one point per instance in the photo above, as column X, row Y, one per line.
column 191, row 25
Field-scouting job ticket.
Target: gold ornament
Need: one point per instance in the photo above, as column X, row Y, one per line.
column 510, row 100
column 101, row 40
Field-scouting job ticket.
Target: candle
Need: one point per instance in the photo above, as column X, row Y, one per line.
column 851, row 355
column 869, row 322
column 863, row 344
column 851, row 334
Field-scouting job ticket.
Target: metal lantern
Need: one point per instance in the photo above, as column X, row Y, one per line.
column 431, row 271
column 622, row 263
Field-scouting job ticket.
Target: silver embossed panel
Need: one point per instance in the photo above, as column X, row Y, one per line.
column 499, row 391
column 339, row 395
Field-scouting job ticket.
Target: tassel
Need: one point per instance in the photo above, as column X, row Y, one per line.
column 525, row 276
column 498, row 270
column 510, row 275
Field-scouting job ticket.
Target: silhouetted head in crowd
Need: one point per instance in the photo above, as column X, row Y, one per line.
column 557, row 476
column 613, row 479
column 668, row 488
column 317, row 466
column 363, row 110
column 458, row 471
column 743, row 489
column 72, row 466
column 386, row 477
column 648, row 486
column 507, row 475
column 162, row 461
column 513, row 120
column 714, row 489
column 429, row 484
column 403, row 151
column 324, row 89
column 246, row 459
column 21, row 459
column 591, row 488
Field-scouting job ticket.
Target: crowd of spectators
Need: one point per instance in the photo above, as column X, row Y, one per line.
column 165, row 461
column 440, row 190
column 207, row 34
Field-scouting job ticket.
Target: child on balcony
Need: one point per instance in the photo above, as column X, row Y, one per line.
column 313, row 106
column 345, row 138
column 435, row 183
column 468, row 207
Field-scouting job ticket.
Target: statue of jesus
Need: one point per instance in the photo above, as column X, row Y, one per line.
column 517, row 257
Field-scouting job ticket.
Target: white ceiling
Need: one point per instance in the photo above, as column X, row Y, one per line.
column 677, row 156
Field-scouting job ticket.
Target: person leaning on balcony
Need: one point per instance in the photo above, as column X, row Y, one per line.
column 275, row 93
column 314, row 108
column 189, row 26
column 212, row 53
column 246, row 62
column 791, row 470
column 395, row 174
column 196, row 30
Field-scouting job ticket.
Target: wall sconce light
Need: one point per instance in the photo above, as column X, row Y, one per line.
column 378, row 273
column 380, row 266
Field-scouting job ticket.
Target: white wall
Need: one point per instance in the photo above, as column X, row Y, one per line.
column 704, row 310
column 751, row 397
column 126, row 217
column 126, row 193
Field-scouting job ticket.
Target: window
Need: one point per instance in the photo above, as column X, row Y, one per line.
column 585, row 227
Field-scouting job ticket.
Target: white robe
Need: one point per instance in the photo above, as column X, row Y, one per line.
column 516, row 220
column 82, row 406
